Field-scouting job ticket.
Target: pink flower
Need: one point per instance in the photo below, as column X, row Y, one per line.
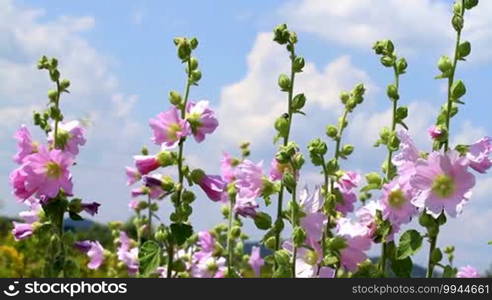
column 44, row 173
column 277, row 170
column 91, row 208
column 228, row 167
column 133, row 204
column 314, row 221
column 255, row 260
column 435, row 132
column 249, row 178
column 478, row 155
column 169, row 128
column 22, row 230
column 201, row 119
column 406, row 158
column 349, row 180
column 245, row 206
column 206, row 242
column 209, row 267
column 146, row 163
column 25, row 144
column 307, row 262
column 133, row 175
column 396, row 202
column 366, row 216
column 357, row 242
column 443, row 182
column 214, row 187
column 127, row 254
column 348, row 200
column 468, row 272
column 32, row 215
column 154, row 186
column 94, row 251
column 72, row 135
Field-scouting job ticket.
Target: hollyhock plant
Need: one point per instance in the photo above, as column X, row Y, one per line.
column 18, row 179
column 25, row 145
column 435, row 132
column 145, row 164
column 201, row 119
column 278, row 169
column 46, row 173
column 94, row 251
column 348, row 198
column 367, row 216
column 444, row 183
column 357, row 243
column 249, row 178
column 256, row 261
column 313, row 221
column 479, row 155
column 406, row 158
column 214, row 187
column 246, row 206
column 396, row 202
column 168, row 128
column 228, row 167
column 71, row 135
column 349, row 180
column 209, row 267
column 91, row 208
column 133, row 175
column 307, row 262
column 22, row 230
column 128, row 254
column 468, row 272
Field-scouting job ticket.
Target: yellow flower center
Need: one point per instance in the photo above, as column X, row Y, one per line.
column 443, row 186
column 53, row 170
column 173, row 131
column 311, row 257
column 396, row 198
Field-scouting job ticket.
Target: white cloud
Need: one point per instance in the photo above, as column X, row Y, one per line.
column 138, row 17
column 415, row 26
column 469, row 133
column 249, row 107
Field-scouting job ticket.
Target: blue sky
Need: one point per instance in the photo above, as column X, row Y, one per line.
column 122, row 63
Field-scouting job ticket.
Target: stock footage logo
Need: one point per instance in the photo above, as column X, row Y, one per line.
column 11, row 290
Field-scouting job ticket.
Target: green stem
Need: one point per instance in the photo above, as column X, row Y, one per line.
column 383, row 258
column 451, row 80
column 149, row 218
column 286, row 141
column 180, row 165
column 430, row 265
column 294, row 224
column 229, row 238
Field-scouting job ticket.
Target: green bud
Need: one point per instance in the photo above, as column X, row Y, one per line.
column 165, row 158
column 292, row 37
column 175, row 98
column 299, row 236
column 426, row 220
column 347, row 150
column 54, row 74
column 298, row 102
column 331, row 131
column 445, row 65
column 401, row 65
column 387, row 61
column 270, row 243
column 282, row 257
column 318, row 147
column 197, row 175
column 52, row 95
column 281, row 34
column 392, row 92
column 344, row 97
column 53, row 63
column 401, row 113
column 184, row 50
column 235, row 232
column 359, row 90
column 282, row 125
column 144, row 151
column 457, row 22
column 43, row 63
column 332, row 166
column 298, row 161
column 458, row 89
column 464, row 49
column 436, row 256
column 289, row 181
column 351, row 104
column 374, row 178
column 336, row 243
column 161, row 236
column 196, row 75
column 193, row 43
column 378, row 47
column 284, row 82
column 298, row 64
column 469, row 4
column 263, row 221
column 225, row 210
column 193, row 63
column 64, row 84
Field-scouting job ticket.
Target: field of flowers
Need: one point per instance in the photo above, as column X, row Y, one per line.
column 324, row 230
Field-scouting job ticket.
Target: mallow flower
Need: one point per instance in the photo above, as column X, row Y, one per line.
column 132, row 175
column 313, row 221
column 278, row 169
column 246, row 205
column 357, row 242
column 145, row 164
column 479, row 155
column 468, row 272
column 406, row 158
column 396, row 202
column 348, row 199
column 443, row 182
column 25, row 145
column 22, row 230
column 168, row 128
column 209, row 267
column 128, row 254
column 91, row 208
column 94, row 251
column 214, row 187
column 307, row 262
column 71, row 135
column 228, row 167
column 44, row 173
column 249, row 178
column 256, row 261
column 367, row 216
column 201, row 119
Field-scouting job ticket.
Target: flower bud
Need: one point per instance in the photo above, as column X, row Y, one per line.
column 64, row 84
column 298, row 102
column 317, row 146
column 235, row 232
column 165, row 158
column 331, row 131
column 289, row 181
column 188, row 196
column 344, row 97
column 54, row 74
column 299, row 236
column 282, row 125
column 184, row 50
column 270, row 242
column 378, row 47
column 332, row 166
column 351, row 104
column 469, row 4
column 445, row 65
column 392, row 92
column 161, row 235
column 458, row 89
column 401, row 65
column 374, row 178
column 281, row 34
column 193, row 43
column 284, row 82
column 52, row 95
column 175, row 98
column 53, row 63
column 196, row 75
column 464, row 50
column 401, row 113
column 388, row 61
column 336, row 243
column 43, row 63
column 193, row 63
column 298, row 64
column 359, row 90
column 197, row 175
column 298, row 161
column 263, row 221
column 457, row 22
column 347, row 150
column 292, row 37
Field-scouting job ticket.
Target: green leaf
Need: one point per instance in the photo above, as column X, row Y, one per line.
column 410, row 243
column 436, row 256
column 75, row 216
column 263, row 221
column 402, row 267
column 149, row 256
column 449, row 272
column 490, row 243
column 181, row 232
